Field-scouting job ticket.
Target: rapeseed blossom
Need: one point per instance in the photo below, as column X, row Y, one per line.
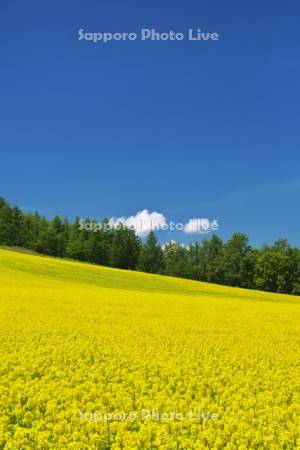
column 98, row 358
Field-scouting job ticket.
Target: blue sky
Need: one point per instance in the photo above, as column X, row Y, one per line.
column 186, row 129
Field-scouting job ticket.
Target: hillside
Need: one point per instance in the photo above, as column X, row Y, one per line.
column 175, row 364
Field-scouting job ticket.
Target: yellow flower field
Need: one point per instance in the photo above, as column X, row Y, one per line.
column 99, row 358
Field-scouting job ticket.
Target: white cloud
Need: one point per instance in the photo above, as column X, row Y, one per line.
column 142, row 222
column 197, row 225
column 163, row 246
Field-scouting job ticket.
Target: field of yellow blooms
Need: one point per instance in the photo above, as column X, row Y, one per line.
column 99, row 358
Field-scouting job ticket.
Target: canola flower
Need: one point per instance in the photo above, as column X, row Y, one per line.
column 99, row 358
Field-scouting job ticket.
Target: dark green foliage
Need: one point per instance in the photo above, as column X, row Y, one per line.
column 177, row 260
column 151, row 256
column 277, row 268
column 10, row 224
column 125, row 248
column 198, row 261
column 213, row 250
column 234, row 263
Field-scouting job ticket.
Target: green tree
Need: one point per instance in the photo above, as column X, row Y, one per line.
column 197, row 261
column 177, row 260
column 6, row 231
column 236, row 261
column 97, row 246
column 214, row 252
column 272, row 272
column 75, row 247
column 151, row 257
column 125, row 248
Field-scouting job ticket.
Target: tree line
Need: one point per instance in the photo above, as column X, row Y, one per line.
column 273, row 268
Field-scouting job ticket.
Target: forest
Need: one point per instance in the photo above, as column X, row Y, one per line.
column 274, row 268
